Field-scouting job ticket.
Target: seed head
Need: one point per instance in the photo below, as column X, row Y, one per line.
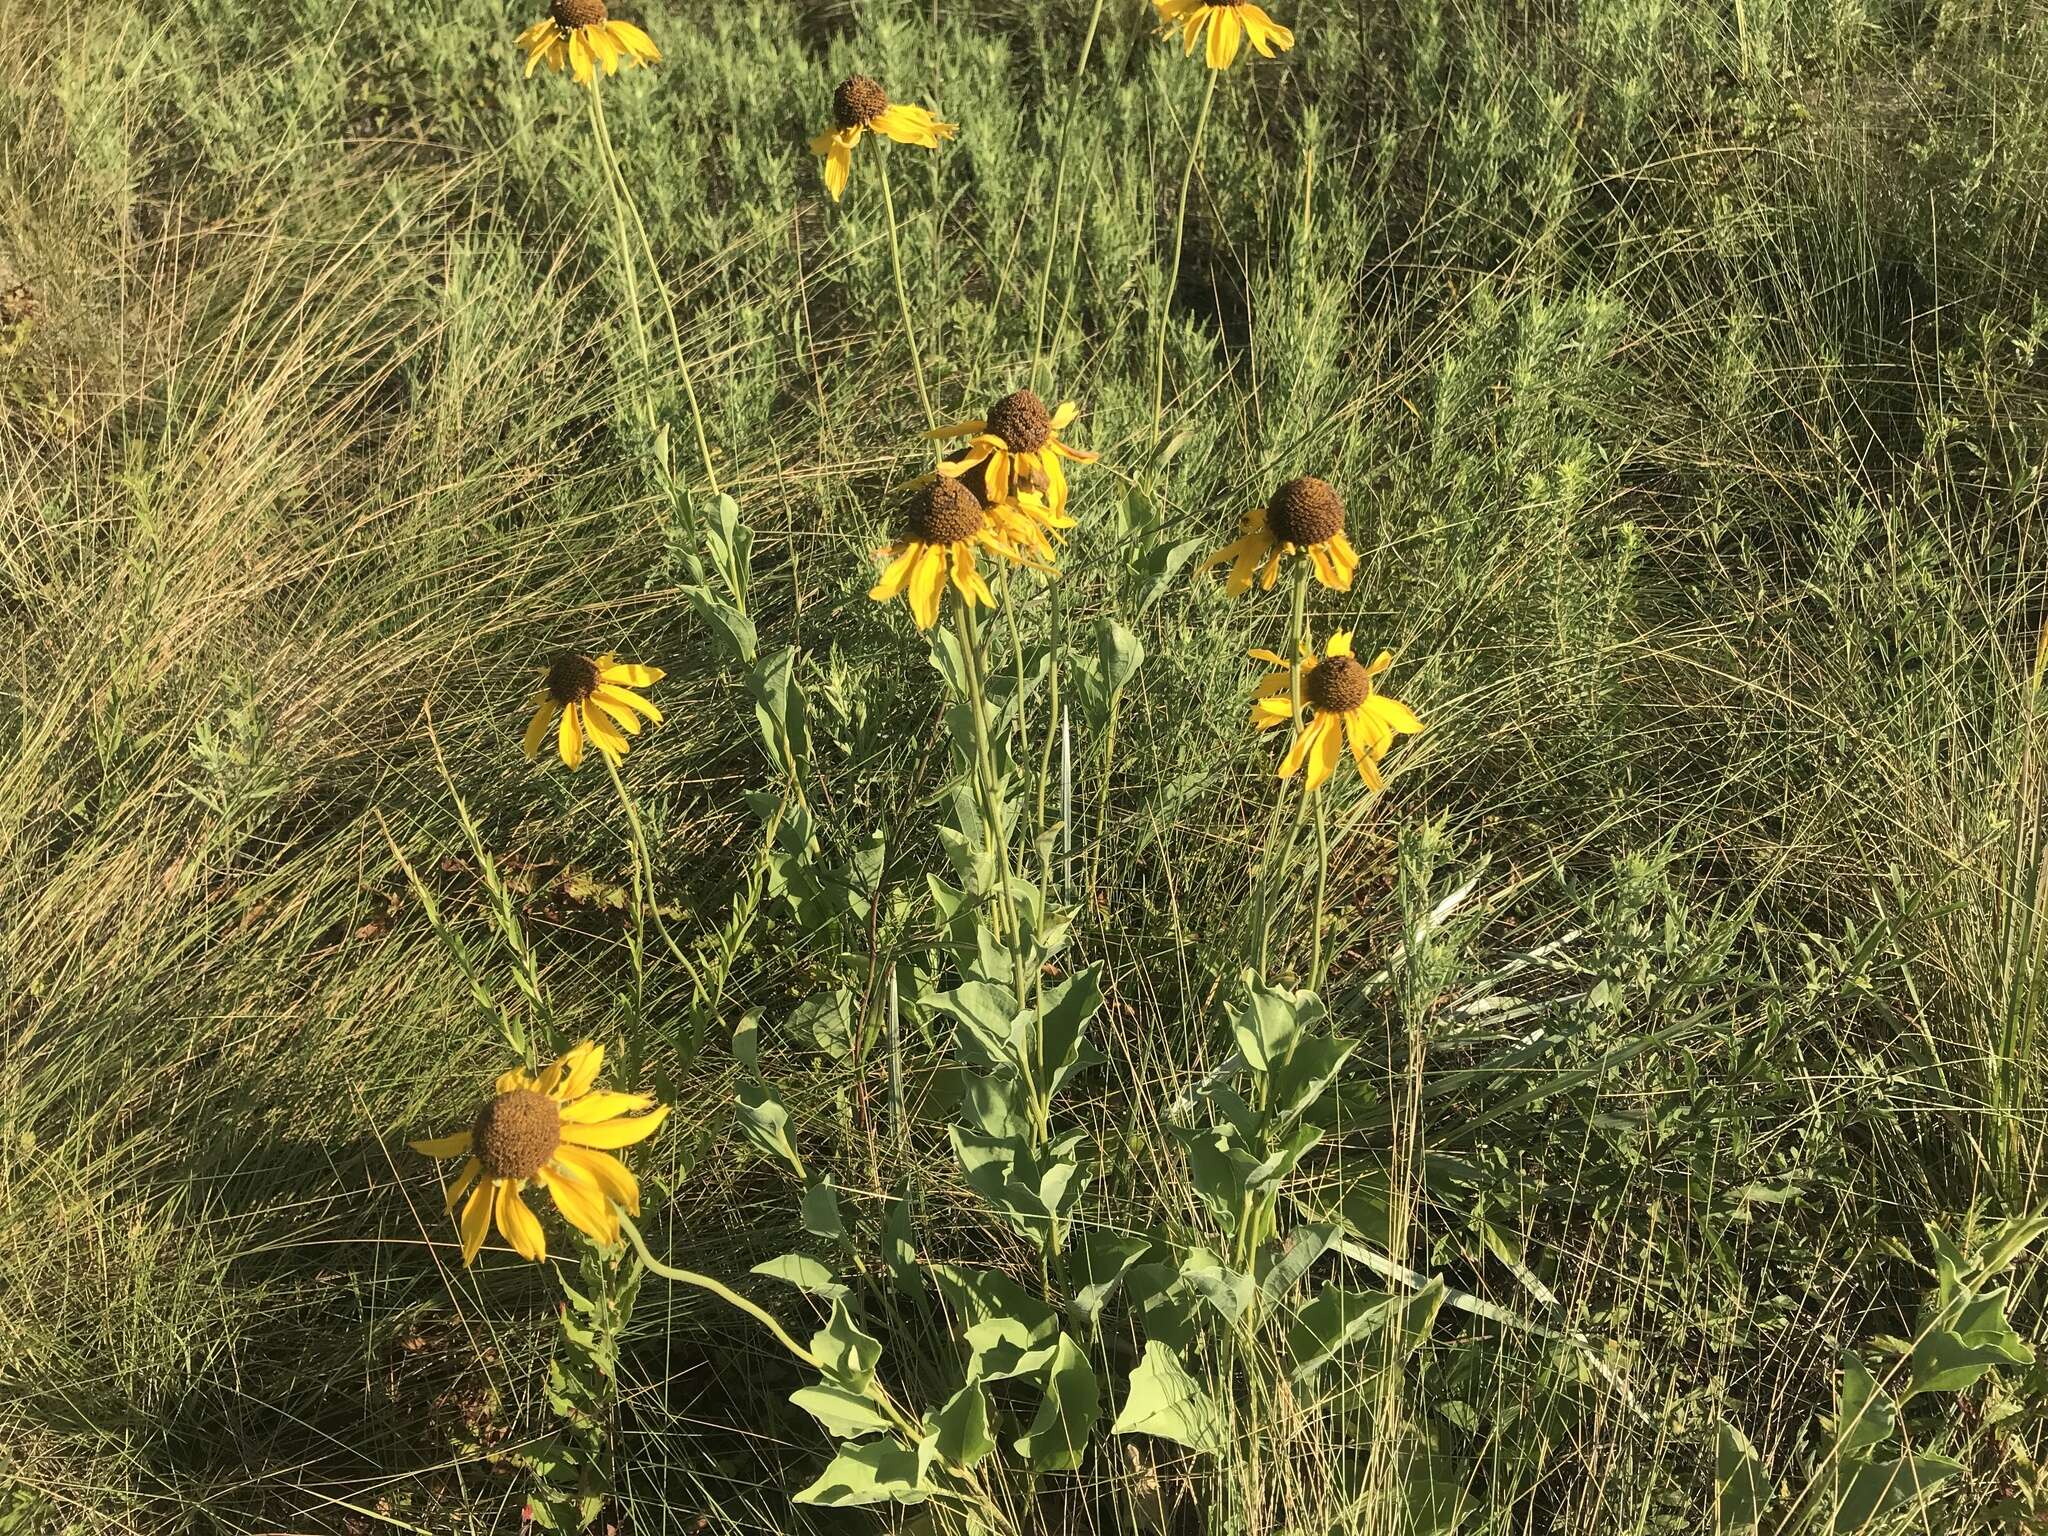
column 516, row 1132
column 1336, row 684
column 857, row 101
column 1305, row 511
column 1021, row 421
column 944, row 512
column 571, row 678
column 571, row 14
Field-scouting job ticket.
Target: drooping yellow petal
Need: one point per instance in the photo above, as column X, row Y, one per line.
column 636, row 42
column 1298, row 749
column 615, row 1133
column 610, row 694
column 912, row 125
column 521, row 1227
column 1328, row 750
column 1343, row 557
column 1271, row 711
column 609, row 738
column 537, row 727
column 1396, row 715
column 1192, row 21
column 928, row 585
column 453, row 1198
column 1266, row 33
column 602, row 48
column 611, row 1175
column 1271, row 573
column 581, row 65
column 897, row 573
column 959, row 428
column 836, row 145
column 569, row 738
column 592, row 1107
column 475, row 1225
column 582, row 1204
column 1360, row 733
column 537, row 35
column 1224, row 29
column 455, row 1145
column 629, row 673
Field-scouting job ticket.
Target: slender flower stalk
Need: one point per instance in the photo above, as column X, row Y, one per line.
column 1059, row 188
column 931, row 418
column 1180, row 224
column 1296, row 635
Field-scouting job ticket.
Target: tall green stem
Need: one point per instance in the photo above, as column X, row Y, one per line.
column 722, row 1292
column 1275, row 856
column 1180, row 224
column 625, row 207
column 1059, row 188
column 903, row 297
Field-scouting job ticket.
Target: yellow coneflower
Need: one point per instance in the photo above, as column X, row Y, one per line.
column 1342, row 705
column 580, row 35
column 860, row 105
column 945, row 523
column 1017, row 449
column 1223, row 24
column 547, row 1129
column 596, row 698
column 1304, row 514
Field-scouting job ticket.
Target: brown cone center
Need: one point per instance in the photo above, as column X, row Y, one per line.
column 571, row 678
column 1336, row 684
column 857, row 101
column 1021, row 421
column 571, row 14
column 1305, row 511
column 516, row 1132
column 944, row 512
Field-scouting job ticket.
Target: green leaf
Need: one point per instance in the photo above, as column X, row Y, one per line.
column 958, row 1433
column 766, row 1123
column 1224, row 1288
column 820, row 1205
column 844, row 1414
column 1741, row 1483
column 868, row 1473
column 1098, row 1263
column 1298, row 1251
column 1119, row 652
column 1058, row 1436
column 824, row 1022
column 1336, row 1319
column 1419, row 1315
column 1876, row 1488
column 845, row 1354
column 1164, row 1400
column 1865, row 1417
column 1977, row 1340
column 806, row 1274
column 779, row 709
column 1062, row 1024
column 1270, row 1024
column 1009, row 1332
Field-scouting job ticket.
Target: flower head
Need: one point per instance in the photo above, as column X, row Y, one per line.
column 1342, row 706
column 580, row 35
column 1016, row 450
column 1223, row 23
column 550, row 1129
column 595, row 697
column 860, row 105
column 944, row 524
column 1304, row 514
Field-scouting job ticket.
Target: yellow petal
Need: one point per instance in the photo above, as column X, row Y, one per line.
column 608, row 695
column 442, row 1146
column 959, row 428
column 475, row 1225
column 453, row 1198
column 898, row 572
column 1340, row 643
column 520, row 1226
column 1271, row 711
column 537, row 727
column 1395, row 714
column 579, row 1067
column 927, row 585
column 512, row 1080
column 582, row 1204
column 569, row 738
column 610, row 1175
column 615, row 1133
column 1291, row 763
column 602, row 47
column 592, row 1107
column 636, row 42
column 580, row 64
column 1327, row 751
column 630, row 674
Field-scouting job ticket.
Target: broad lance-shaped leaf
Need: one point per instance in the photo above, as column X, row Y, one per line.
column 1009, row 1332
column 1336, row 1319
column 958, row 1433
column 867, row 1473
column 1164, row 1400
column 845, row 1354
column 988, row 1019
column 1741, row 1484
column 1061, row 1025
column 766, row 1123
column 844, row 1414
column 1866, row 1416
column 806, row 1274
column 1227, row 1290
column 1271, row 1023
column 1098, row 1261
column 820, row 1207
column 1871, row 1489
column 1058, row 1436
column 1978, row 1339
